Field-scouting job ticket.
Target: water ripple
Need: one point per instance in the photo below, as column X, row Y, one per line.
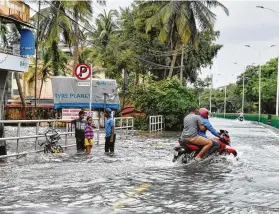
column 142, row 179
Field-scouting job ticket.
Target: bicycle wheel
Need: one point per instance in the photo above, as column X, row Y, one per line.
column 60, row 149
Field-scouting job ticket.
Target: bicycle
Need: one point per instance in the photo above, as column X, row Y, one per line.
column 50, row 145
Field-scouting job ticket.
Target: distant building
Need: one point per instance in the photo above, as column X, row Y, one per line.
column 15, row 9
column 14, row 13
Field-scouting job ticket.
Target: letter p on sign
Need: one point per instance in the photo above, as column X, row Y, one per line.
column 83, row 71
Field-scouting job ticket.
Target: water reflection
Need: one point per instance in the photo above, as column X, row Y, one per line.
column 142, row 179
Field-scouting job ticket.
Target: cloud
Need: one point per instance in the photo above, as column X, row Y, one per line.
column 245, row 25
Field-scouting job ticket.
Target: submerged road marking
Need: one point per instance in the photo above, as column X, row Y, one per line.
column 137, row 190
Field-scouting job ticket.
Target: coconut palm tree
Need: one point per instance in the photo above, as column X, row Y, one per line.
column 180, row 21
column 45, row 69
column 54, row 27
column 106, row 25
column 81, row 12
column 98, row 38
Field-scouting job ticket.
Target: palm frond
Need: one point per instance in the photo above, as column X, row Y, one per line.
column 215, row 4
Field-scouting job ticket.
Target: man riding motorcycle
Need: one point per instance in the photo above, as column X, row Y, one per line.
column 192, row 123
column 241, row 116
column 204, row 113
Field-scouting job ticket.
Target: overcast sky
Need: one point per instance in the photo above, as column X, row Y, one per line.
column 246, row 24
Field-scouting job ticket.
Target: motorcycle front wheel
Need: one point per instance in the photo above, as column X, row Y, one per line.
column 185, row 158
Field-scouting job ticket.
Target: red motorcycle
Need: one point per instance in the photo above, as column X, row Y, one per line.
column 188, row 151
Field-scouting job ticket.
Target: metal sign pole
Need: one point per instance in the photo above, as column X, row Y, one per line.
column 90, row 102
column 105, row 100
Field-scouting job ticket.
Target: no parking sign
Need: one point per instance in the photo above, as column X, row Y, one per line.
column 83, row 71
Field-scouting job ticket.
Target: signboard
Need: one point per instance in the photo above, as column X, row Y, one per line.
column 27, row 42
column 13, row 63
column 68, row 94
column 83, row 71
column 83, row 84
column 71, row 114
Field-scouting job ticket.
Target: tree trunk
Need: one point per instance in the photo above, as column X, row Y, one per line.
column 173, row 60
column 137, row 78
column 20, row 91
column 55, row 59
column 40, row 93
column 76, row 43
column 181, row 66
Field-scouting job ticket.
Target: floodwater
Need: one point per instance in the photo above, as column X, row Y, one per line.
column 141, row 177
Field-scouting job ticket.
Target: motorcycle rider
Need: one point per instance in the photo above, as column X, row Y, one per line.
column 192, row 123
column 241, row 116
column 204, row 114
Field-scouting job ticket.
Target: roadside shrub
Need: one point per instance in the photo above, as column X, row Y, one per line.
column 167, row 97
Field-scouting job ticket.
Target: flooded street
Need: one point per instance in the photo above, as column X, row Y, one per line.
column 141, row 178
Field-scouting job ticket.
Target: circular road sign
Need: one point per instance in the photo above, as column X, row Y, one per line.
column 83, row 71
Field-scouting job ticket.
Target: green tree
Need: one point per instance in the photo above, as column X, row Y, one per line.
column 81, row 11
column 106, row 26
column 45, row 69
column 166, row 97
column 178, row 23
column 54, row 27
column 268, row 83
column 141, row 53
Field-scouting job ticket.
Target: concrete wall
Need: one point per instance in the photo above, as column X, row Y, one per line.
column 266, row 119
column 15, row 8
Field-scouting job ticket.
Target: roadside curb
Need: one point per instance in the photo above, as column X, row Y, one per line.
column 267, row 126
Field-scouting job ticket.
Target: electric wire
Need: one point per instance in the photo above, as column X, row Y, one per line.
column 158, row 66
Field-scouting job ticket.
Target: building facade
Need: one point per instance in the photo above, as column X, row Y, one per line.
column 16, row 9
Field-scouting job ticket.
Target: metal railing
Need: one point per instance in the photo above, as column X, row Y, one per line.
column 124, row 125
column 15, row 51
column 156, row 123
column 38, row 135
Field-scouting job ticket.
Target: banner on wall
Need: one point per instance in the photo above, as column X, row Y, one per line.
column 69, row 92
column 14, row 63
column 71, row 114
column 27, row 42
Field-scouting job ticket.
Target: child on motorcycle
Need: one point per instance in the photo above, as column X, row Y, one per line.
column 204, row 113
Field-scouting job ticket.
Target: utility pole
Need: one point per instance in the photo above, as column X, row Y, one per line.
column 243, row 78
column 36, row 63
column 225, row 101
column 210, row 92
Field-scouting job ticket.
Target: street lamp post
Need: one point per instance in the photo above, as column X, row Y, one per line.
column 243, row 86
column 260, row 71
column 277, row 90
column 210, row 99
column 225, row 101
column 225, row 98
column 242, row 109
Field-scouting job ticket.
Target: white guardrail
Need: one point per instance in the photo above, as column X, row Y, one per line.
column 124, row 125
column 156, row 123
column 37, row 135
